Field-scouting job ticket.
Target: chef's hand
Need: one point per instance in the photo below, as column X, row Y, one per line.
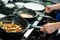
column 49, row 28
column 49, row 9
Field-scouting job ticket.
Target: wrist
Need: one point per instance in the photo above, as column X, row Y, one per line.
column 53, row 7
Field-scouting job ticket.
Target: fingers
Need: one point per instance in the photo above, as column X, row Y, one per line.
column 46, row 29
column 49, row 28
column 48, row 9
column 43, row 29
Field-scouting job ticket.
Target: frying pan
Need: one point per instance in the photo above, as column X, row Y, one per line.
column 16, row 20
column 27, row 11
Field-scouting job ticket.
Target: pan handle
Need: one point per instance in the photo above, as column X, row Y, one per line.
column 39, row 27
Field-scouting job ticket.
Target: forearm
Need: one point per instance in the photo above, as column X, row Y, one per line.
column 56, row 6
